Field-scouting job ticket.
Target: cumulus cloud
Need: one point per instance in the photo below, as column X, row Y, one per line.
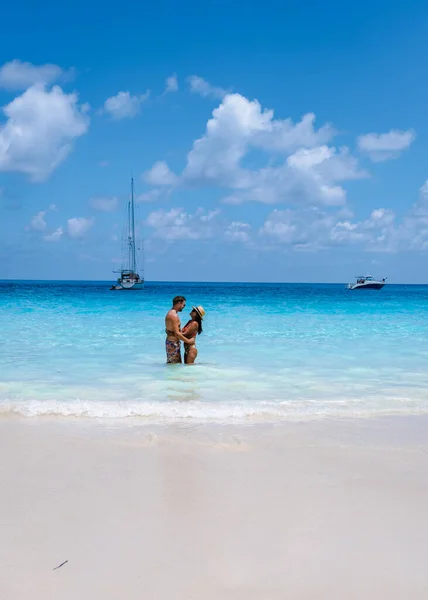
column 306, row 169
column 385, row 146
column 312, row 228
column 171, row 84
column 104, row 204
column 198, row 85
column 253, row 156
column 38, row 222
column 124, row 105
column 207, row 216
column 18, row 75
column 177, row 224
column 316, row 228
column 424, row 190
column 283, row 135
column 77, row 227
column 238, row 232
column 55, row 236
column 380, row 217
column 150, row 196
column 160, row 174
column 40, row 130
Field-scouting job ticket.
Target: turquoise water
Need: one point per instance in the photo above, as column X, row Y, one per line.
column 268, row 352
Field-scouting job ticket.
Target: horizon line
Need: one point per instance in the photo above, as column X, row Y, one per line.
column 108, row 281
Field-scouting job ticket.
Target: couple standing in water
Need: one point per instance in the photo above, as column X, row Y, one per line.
column 187, row 335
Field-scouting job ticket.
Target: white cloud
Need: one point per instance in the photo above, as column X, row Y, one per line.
column 171, row 84
column 215, row 157
column 385, row 146
column 150, row 196
column 253, row 156
column 104, row 204
column 160, row 174
column 40, row 131
column 283, row 135
column 211, row 214
column 176, row 224
column 306, row 177
column 124, row 105
column 161, row 218
column 414, row 228
column 309, row 173
column 17, row 75
column 238, row 232
column 55, row 236
column 380, row 217
column 38, row 222
column 313, row 228
column 78, row 226
column 423, row 192
column 232, row 199
column 280, row 226
column 172, row 225
column 203, row 88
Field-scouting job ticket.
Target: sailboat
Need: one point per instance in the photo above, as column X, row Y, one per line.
column 130, row 278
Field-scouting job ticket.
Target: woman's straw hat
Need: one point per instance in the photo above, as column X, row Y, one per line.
column 199, row 310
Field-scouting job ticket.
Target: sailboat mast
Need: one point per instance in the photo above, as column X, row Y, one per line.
column 129, row 263
column 133, row 264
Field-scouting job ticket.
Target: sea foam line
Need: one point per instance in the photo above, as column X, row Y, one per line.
column 175, row 411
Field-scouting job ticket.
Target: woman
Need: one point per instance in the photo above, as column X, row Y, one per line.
column 190, row 330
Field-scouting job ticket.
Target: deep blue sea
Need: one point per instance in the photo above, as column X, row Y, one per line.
column 268, row 352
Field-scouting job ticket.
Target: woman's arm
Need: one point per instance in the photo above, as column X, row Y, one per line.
column 190, row 331
column 179, row 334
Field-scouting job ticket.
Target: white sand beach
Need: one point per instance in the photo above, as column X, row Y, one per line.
column 310, row 511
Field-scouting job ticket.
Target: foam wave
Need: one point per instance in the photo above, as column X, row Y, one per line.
column 170, row 412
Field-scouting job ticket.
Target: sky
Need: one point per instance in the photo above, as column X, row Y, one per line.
column 277, row 142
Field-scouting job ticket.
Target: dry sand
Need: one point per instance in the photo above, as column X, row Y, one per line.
column 334, row 511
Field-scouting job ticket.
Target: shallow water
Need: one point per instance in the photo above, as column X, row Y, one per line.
column 268, row 351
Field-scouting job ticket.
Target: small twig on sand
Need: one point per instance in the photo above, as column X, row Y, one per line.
column 63, row 563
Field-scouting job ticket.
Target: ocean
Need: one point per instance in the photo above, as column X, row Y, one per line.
column 268, row 352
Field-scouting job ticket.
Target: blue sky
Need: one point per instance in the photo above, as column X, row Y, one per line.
column 279, row 142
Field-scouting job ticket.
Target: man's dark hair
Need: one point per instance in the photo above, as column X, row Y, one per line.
column 178, row 299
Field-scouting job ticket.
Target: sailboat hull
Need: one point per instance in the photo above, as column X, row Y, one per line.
column 128, row 285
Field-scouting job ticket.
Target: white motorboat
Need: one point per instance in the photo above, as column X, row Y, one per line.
column 129, row 275
column 368, row 282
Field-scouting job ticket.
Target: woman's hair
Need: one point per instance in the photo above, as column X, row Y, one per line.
column 198, row 321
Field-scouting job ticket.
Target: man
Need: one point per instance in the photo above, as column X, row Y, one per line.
column 173, row 331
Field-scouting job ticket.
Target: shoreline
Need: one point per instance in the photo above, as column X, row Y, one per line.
column 321, row 510
column 406, row 426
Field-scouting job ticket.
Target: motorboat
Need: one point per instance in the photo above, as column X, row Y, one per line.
column 368, row 282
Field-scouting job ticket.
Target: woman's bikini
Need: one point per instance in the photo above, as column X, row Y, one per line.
column 183, row 331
